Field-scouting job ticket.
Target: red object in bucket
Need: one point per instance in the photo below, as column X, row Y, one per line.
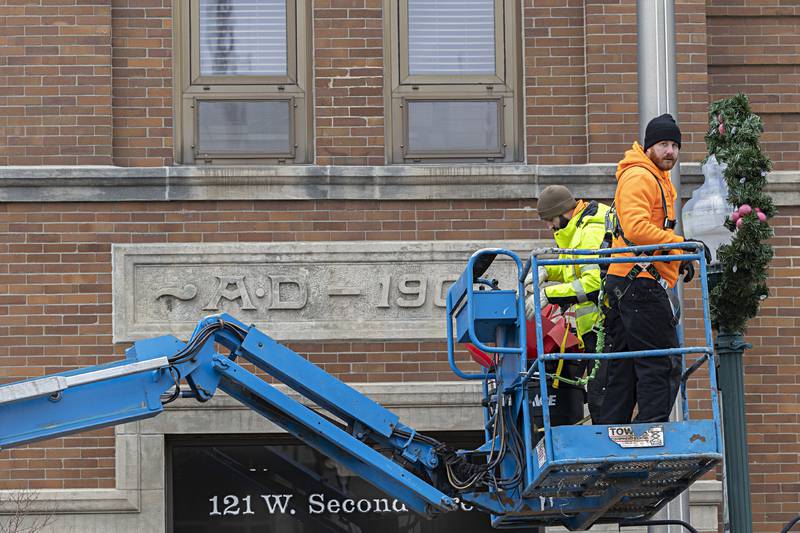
column 554, row 327
column 479, row 356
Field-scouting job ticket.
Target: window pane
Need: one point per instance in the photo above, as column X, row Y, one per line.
column 451, row 37
column 245, row 127
column 454, row 126
column 243, row 38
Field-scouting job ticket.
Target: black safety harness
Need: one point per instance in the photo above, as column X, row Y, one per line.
column 614, row 229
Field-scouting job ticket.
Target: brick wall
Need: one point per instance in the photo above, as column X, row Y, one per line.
column 555, row 82
column 772, row 385
column 142, row 82
column 55, row 74
column 55, row 313
column 582, row 79
column 348, row 80
column 611, row 78
column 772, row 382
column 755, row 49
column 89, row 84
column 55, row 293
column 690, row 55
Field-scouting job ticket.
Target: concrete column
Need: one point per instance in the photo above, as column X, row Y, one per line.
column 658, row 95
column 658, row 88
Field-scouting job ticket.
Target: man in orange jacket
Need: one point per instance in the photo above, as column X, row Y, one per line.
column 639, row 313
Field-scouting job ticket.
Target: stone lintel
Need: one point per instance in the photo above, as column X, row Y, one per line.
column 314, row 182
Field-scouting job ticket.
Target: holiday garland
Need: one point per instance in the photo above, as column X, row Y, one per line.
column 733, row 138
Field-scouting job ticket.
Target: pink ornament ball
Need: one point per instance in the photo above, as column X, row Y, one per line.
column 721, row 129
column 761, row 217
column 745, row 210
column 758, row 210
column 735, row 216
column 739, row 223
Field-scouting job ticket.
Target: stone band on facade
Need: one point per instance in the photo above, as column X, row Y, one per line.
column 311, row 182
column 295, row 291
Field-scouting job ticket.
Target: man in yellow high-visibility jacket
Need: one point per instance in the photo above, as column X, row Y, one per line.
column 575, row 224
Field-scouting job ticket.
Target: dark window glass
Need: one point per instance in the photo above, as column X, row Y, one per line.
column 453, row 126
column 451, row 37
column 287, row 487
column 242, row 126
column 243, row 38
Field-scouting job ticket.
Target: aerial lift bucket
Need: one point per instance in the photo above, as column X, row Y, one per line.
column 577, row 475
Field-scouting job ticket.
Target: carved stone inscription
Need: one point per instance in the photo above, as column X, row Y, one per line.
column 295, row 291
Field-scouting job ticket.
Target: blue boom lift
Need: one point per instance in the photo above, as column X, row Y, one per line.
column 523, row 476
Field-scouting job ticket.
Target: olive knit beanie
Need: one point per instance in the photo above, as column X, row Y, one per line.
column 555, row 200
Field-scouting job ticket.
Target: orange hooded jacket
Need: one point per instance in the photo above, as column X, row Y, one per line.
column 640, row 210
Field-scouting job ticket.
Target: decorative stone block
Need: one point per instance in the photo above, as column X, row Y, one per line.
column 296, row 291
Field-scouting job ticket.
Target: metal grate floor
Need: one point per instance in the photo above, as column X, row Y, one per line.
column 579, row 495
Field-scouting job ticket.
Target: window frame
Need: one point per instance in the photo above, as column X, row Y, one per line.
column 189, row 87
column 505, row 85
column 241, row 155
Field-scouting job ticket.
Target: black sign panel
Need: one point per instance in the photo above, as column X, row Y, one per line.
column 281, row 485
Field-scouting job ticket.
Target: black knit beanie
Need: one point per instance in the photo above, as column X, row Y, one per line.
column 662, row 128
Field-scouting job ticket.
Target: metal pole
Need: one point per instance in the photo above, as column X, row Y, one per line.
column 730, row 350
column 658, row 94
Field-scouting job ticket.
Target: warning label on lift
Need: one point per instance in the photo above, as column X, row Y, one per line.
column 541, row 454
column 627, row 438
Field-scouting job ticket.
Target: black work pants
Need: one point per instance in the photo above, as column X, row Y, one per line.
column 640, row 320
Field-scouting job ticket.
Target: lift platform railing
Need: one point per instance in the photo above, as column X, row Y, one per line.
column 473, row 315
column 642, row 254
column 576, row 476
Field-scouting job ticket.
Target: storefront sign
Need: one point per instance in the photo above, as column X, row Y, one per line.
column 289, row 488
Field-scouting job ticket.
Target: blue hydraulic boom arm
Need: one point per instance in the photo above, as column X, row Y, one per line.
column 151, row 374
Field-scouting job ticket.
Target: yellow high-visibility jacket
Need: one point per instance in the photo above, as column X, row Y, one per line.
column 580, row 284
